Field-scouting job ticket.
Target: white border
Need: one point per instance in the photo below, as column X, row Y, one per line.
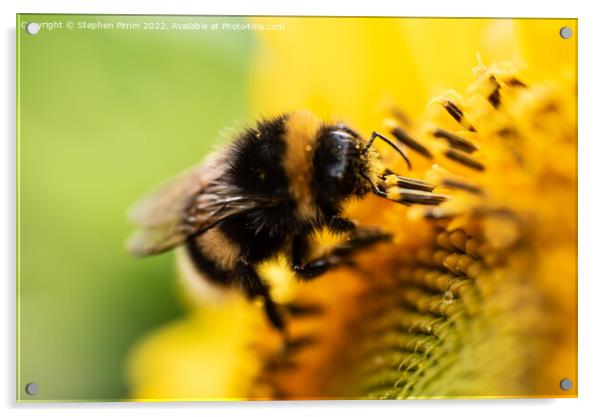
column 463, row 8
column 590, row 207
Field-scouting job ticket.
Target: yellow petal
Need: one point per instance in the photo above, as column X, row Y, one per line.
column 339, row 68
column 444, row 51
column 205, row 356
column 546, row 54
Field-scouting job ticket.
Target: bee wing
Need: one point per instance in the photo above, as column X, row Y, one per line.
column 160, row 215
column 189, row 205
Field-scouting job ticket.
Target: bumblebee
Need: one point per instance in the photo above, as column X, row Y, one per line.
column 267, row 192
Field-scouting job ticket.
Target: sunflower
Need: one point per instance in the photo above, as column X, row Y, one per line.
column 473, row 298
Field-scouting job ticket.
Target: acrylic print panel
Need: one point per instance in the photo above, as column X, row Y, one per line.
column 305, row 257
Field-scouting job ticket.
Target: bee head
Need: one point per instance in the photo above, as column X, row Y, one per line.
column 339, row 161
column 345, row 165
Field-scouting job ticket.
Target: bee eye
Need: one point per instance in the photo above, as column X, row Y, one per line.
column 337, row 169
column 336, row 162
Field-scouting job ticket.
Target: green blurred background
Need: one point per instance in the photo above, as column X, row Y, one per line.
column 105, row 115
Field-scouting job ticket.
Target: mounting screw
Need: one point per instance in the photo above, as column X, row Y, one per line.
column 566, row 384
column 566, row 32
column 31, row 388
column 32, row 28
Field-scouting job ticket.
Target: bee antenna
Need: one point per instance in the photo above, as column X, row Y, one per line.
column 376, row 135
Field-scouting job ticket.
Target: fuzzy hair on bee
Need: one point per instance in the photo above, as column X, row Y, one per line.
column 267, row 192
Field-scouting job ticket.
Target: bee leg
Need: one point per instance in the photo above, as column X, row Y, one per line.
column 254, row 286
column 316, row 267
column 307, row 270
column 340, row 225
column 303, row 310
column 273, row 313
column 360, row 238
